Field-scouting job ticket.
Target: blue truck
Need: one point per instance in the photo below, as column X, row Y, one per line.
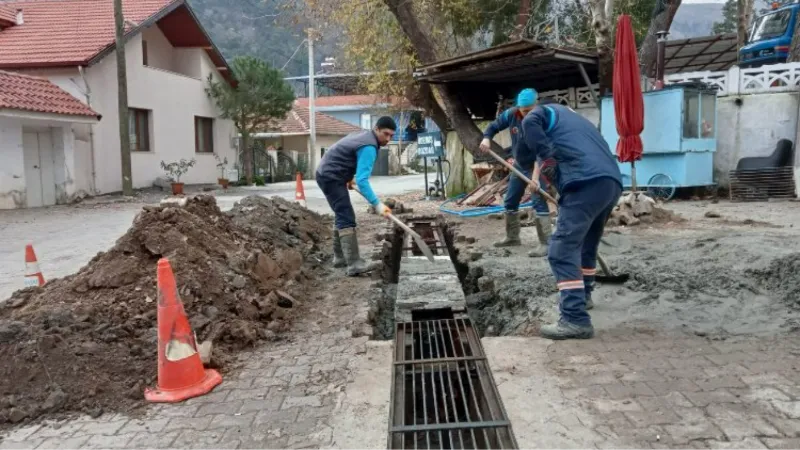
column 770, row 37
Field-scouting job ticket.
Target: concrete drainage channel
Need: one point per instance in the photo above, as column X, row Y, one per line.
column 443, row 393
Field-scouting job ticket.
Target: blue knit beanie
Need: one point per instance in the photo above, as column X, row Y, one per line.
column 527, row 98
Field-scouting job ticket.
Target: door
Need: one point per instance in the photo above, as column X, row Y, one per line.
column 40, row 183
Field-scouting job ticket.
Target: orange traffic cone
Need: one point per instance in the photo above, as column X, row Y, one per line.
column 33, row 276
column 180, row 372
column 299, row 192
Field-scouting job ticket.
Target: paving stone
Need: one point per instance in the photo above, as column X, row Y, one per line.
column 276, row 418
column 249, row 439
column 232, row 420
column 710, row 384
column 220, row 408
column 749, row 443
column 791, row 409
column 270, row 403
column 27, row 443
column 310, row 400
column 186, row 423
column 622, row 391
column 115, row 441
column 20, row 433
column 102, row 428
column 58, row 443
column 766, row 379
column 145, row 426
column 291, row 370
column 758, row 393
column 179, row 410
column 703, row 399
column 247, row 394
column 738, row 428
column 60, row 430
column 782, row 443
column 318, row 438
column 787, row 427
column 145, row 439
column 199, row 439
column 593, row 392
column 663, row 388
column 605, row 406
column 647, row 418
column 268, row 382
column 685, row 432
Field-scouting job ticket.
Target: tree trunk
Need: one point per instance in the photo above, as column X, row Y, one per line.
column 602, row 37
column 421, row 94
column 247, row 157
column 744, row 10
column 122, row 99
column 663, row 14
column 794, row 50
column 460, row 119
column 523, row 15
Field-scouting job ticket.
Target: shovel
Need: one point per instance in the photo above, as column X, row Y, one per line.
column 609, row 276
column 423, row 246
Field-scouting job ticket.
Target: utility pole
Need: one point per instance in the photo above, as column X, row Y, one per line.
column 312, row 116
column 122, row 93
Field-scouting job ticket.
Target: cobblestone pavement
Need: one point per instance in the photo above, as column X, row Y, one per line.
column 646, row 389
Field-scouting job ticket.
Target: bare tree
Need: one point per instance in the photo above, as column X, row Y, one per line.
column 601, row 25
column 744, row 12
column 663, row 14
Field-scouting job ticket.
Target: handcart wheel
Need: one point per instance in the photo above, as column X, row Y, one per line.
column 661, row 186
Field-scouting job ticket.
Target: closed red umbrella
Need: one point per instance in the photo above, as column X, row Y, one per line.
column 628, row 101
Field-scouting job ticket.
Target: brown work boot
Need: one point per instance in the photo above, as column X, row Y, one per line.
column 513, row 227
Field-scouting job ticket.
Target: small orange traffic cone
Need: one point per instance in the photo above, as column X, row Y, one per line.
column 33, row 276
column 299, row 192
column 180, row 372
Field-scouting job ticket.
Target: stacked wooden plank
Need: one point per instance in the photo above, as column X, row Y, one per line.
column 491, row 190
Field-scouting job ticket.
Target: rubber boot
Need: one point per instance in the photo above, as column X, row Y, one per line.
column 355, row 265
column 544, row 230
column 513, row 227
column 338, row 255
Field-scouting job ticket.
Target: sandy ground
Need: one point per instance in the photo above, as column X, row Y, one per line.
column 692, row 276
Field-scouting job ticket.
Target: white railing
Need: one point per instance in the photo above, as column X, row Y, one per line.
column 574, row 97
column 737, row 81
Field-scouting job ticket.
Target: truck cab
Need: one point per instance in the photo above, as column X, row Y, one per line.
column 770, row 37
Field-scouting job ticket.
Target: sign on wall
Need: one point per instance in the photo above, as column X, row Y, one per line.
column 429, row 145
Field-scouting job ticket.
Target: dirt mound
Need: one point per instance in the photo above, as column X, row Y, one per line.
column 781, row 277
column 87, row 342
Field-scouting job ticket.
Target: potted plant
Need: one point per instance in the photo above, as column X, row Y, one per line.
column 175, row 170
column 222, row 164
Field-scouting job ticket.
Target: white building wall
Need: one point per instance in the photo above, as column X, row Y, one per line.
column 174, row 100
column 12, row 167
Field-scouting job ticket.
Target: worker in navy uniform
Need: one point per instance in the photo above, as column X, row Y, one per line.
column 346, row 163
column 574, row 156
column 511, row 119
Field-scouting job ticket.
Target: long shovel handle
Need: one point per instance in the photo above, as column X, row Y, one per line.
column 522, row 176
column 423, row 246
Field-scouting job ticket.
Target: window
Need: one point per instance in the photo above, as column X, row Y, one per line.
column 708, row 107
column 691, row 111
column 770, row 26
column 144, row 52
column 203, row 135
column 366, row 121
column 139, row 123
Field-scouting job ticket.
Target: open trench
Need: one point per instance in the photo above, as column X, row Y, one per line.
column 443, row 393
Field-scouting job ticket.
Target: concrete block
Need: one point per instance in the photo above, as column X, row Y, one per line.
column 420, row 265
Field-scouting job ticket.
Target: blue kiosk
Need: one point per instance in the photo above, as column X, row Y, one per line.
column 679, row 137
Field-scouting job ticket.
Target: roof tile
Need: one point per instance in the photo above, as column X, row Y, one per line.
column 27, row 93
column 297, row 122
column 356, row 100
column 64, row 32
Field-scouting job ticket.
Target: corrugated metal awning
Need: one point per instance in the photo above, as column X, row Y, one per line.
column 712, row 53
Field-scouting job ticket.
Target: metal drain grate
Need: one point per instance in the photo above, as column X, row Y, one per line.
column 443, row 392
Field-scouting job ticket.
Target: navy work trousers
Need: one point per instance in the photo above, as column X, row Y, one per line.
column 516, row 190
column 338, row 197
column 582, row 215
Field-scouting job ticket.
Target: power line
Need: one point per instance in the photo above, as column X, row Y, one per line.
column 295, row 52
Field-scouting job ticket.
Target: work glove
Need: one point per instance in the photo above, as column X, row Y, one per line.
column 548, row 169
column 486, row 144
column 351, row 185
column 382, row 210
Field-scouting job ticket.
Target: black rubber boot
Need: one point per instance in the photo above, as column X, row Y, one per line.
column 338, row 255
column 544, row 230
column 355, row 265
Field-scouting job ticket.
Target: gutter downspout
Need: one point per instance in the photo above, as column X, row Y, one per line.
column 88, row 94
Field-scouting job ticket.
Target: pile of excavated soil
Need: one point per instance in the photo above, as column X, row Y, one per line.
column 634, row 209
column 87, row 342
column 782, row 277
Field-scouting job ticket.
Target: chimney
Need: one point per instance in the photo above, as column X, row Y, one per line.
column 20, row 19
column 661, row 44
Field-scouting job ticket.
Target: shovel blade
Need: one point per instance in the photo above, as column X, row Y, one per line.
column 613, row 279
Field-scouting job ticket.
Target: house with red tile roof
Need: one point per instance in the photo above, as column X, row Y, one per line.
column 292, row 134
column 37, row 144
column 169, row 60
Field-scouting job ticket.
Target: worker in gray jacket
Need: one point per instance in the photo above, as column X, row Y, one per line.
column 350, row 161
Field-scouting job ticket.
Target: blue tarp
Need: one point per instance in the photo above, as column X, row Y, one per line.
column 476, row 212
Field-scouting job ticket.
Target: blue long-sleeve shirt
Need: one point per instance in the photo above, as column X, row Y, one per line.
column 366, row 160
column 509, row 119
